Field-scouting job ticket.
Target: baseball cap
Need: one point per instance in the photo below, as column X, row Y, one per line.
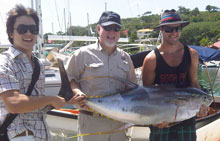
column 109, row 18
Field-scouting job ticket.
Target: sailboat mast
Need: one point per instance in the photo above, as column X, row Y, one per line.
column 40, row 35
column 88, row 24
column 32, row 4
column 105, row 6
column 65, row 28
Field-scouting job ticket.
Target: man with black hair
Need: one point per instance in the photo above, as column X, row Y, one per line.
column 17, row 66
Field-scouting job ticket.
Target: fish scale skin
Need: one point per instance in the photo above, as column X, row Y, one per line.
column 151, row 105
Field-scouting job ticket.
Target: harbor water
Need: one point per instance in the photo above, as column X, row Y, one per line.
column 212, row 74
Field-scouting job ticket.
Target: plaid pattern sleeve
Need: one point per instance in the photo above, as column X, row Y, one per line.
column 16, row 74
column 7, row 79
column 184, row 131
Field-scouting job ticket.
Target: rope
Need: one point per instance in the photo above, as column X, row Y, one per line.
column 210, row 84
column 57, row 15
column 99, row 133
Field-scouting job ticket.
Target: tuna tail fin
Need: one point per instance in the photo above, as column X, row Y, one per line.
column 65, row 90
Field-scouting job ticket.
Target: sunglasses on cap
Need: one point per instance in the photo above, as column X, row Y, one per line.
column 110, row 27
column 169, row 29
column 22, row 29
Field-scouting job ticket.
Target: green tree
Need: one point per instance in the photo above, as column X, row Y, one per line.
column 211, row 8
column 208, row 8
column 60, row 33
column 147, row 13
column 133, row 37
column 77, row 31
column 195, row 12
column 183, row 10
column 204, row 41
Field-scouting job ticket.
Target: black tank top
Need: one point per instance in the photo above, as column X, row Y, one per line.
column 167, row 75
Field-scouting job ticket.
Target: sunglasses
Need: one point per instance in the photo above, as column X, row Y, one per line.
column 169, row 29
column 22, row 29
column 110, row 27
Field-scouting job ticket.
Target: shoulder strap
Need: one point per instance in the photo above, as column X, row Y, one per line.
column 35, row 76
column 186, row 49
column 36, row 72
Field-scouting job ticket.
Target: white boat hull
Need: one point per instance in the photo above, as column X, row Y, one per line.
column 52, row 82
column 210, row 132
column 59, row 122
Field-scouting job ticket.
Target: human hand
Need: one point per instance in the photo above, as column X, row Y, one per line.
column 78, row 99
column 58, row 102
column 204, row 110
column 161, row 125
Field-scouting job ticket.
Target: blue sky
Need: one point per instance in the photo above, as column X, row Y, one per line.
column 53, row 10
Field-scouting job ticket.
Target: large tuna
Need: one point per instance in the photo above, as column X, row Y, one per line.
column 151, row 105
column 143, row 105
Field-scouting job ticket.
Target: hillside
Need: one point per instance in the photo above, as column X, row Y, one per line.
column 204, row 27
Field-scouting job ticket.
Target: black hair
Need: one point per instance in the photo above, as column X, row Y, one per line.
column 18, row 11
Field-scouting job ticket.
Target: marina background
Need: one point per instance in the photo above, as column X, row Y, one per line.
column 53, row 11
column 53, row 21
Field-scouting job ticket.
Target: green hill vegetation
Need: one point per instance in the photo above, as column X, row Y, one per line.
column 203, row 30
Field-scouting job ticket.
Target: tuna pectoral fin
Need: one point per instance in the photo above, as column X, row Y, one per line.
column 119, row 129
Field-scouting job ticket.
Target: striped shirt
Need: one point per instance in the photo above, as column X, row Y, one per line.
column 16, row 74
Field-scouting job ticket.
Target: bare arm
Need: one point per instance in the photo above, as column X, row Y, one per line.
column 194, row 79
column 79, row 96
column 193, row 68
column 148, row 69
column 75, row 87
column 20, row 103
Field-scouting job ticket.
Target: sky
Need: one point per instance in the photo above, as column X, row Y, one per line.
column 82, row 11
